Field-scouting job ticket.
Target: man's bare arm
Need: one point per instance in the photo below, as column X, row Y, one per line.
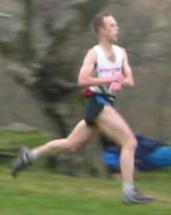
column 127, row 72
column 85, row 77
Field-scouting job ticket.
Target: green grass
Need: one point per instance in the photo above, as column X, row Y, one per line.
column 37, row 192
column 43, row 193
column 11, row 140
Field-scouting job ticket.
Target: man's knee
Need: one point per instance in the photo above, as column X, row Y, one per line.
column 131, row 142
column 70, row 145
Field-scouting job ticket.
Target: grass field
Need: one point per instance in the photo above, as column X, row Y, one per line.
column 43, row 193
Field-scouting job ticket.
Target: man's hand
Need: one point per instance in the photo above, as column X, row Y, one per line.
column 117, row 83
column 119, row 78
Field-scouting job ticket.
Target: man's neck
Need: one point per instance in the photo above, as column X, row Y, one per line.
column 105, row 43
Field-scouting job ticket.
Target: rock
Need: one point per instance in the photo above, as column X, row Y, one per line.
column 20, row 127
column 21, row 73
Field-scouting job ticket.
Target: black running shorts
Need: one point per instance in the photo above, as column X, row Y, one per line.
column 95, row 106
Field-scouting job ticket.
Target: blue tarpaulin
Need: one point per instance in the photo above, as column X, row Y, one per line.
column 150, row 153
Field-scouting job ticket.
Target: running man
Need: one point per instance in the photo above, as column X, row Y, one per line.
column 105, row 70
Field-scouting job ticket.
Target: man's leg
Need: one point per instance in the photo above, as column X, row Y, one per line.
column 80, row 135
column 113, row 125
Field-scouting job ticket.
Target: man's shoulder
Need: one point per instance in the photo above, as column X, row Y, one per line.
column 94, row 48
column 92, row 51
column 119, row 47
column 91, row 55
column 121, row 50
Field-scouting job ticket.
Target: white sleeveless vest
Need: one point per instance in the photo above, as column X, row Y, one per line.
column 105, row 67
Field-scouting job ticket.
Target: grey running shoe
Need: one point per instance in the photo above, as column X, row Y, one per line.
column 22, row 162
column 136, row 197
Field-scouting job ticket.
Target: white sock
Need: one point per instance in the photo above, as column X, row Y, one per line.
column 128, row 187
column 33, row 154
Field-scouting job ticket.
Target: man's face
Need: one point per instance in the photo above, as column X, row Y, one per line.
column 110, row 29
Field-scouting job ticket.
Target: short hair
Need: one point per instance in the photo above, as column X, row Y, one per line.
column 98, row 20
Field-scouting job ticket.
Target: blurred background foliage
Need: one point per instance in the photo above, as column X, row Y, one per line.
column 42, row 44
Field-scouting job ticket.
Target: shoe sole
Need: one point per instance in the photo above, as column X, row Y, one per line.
column 134, row 201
